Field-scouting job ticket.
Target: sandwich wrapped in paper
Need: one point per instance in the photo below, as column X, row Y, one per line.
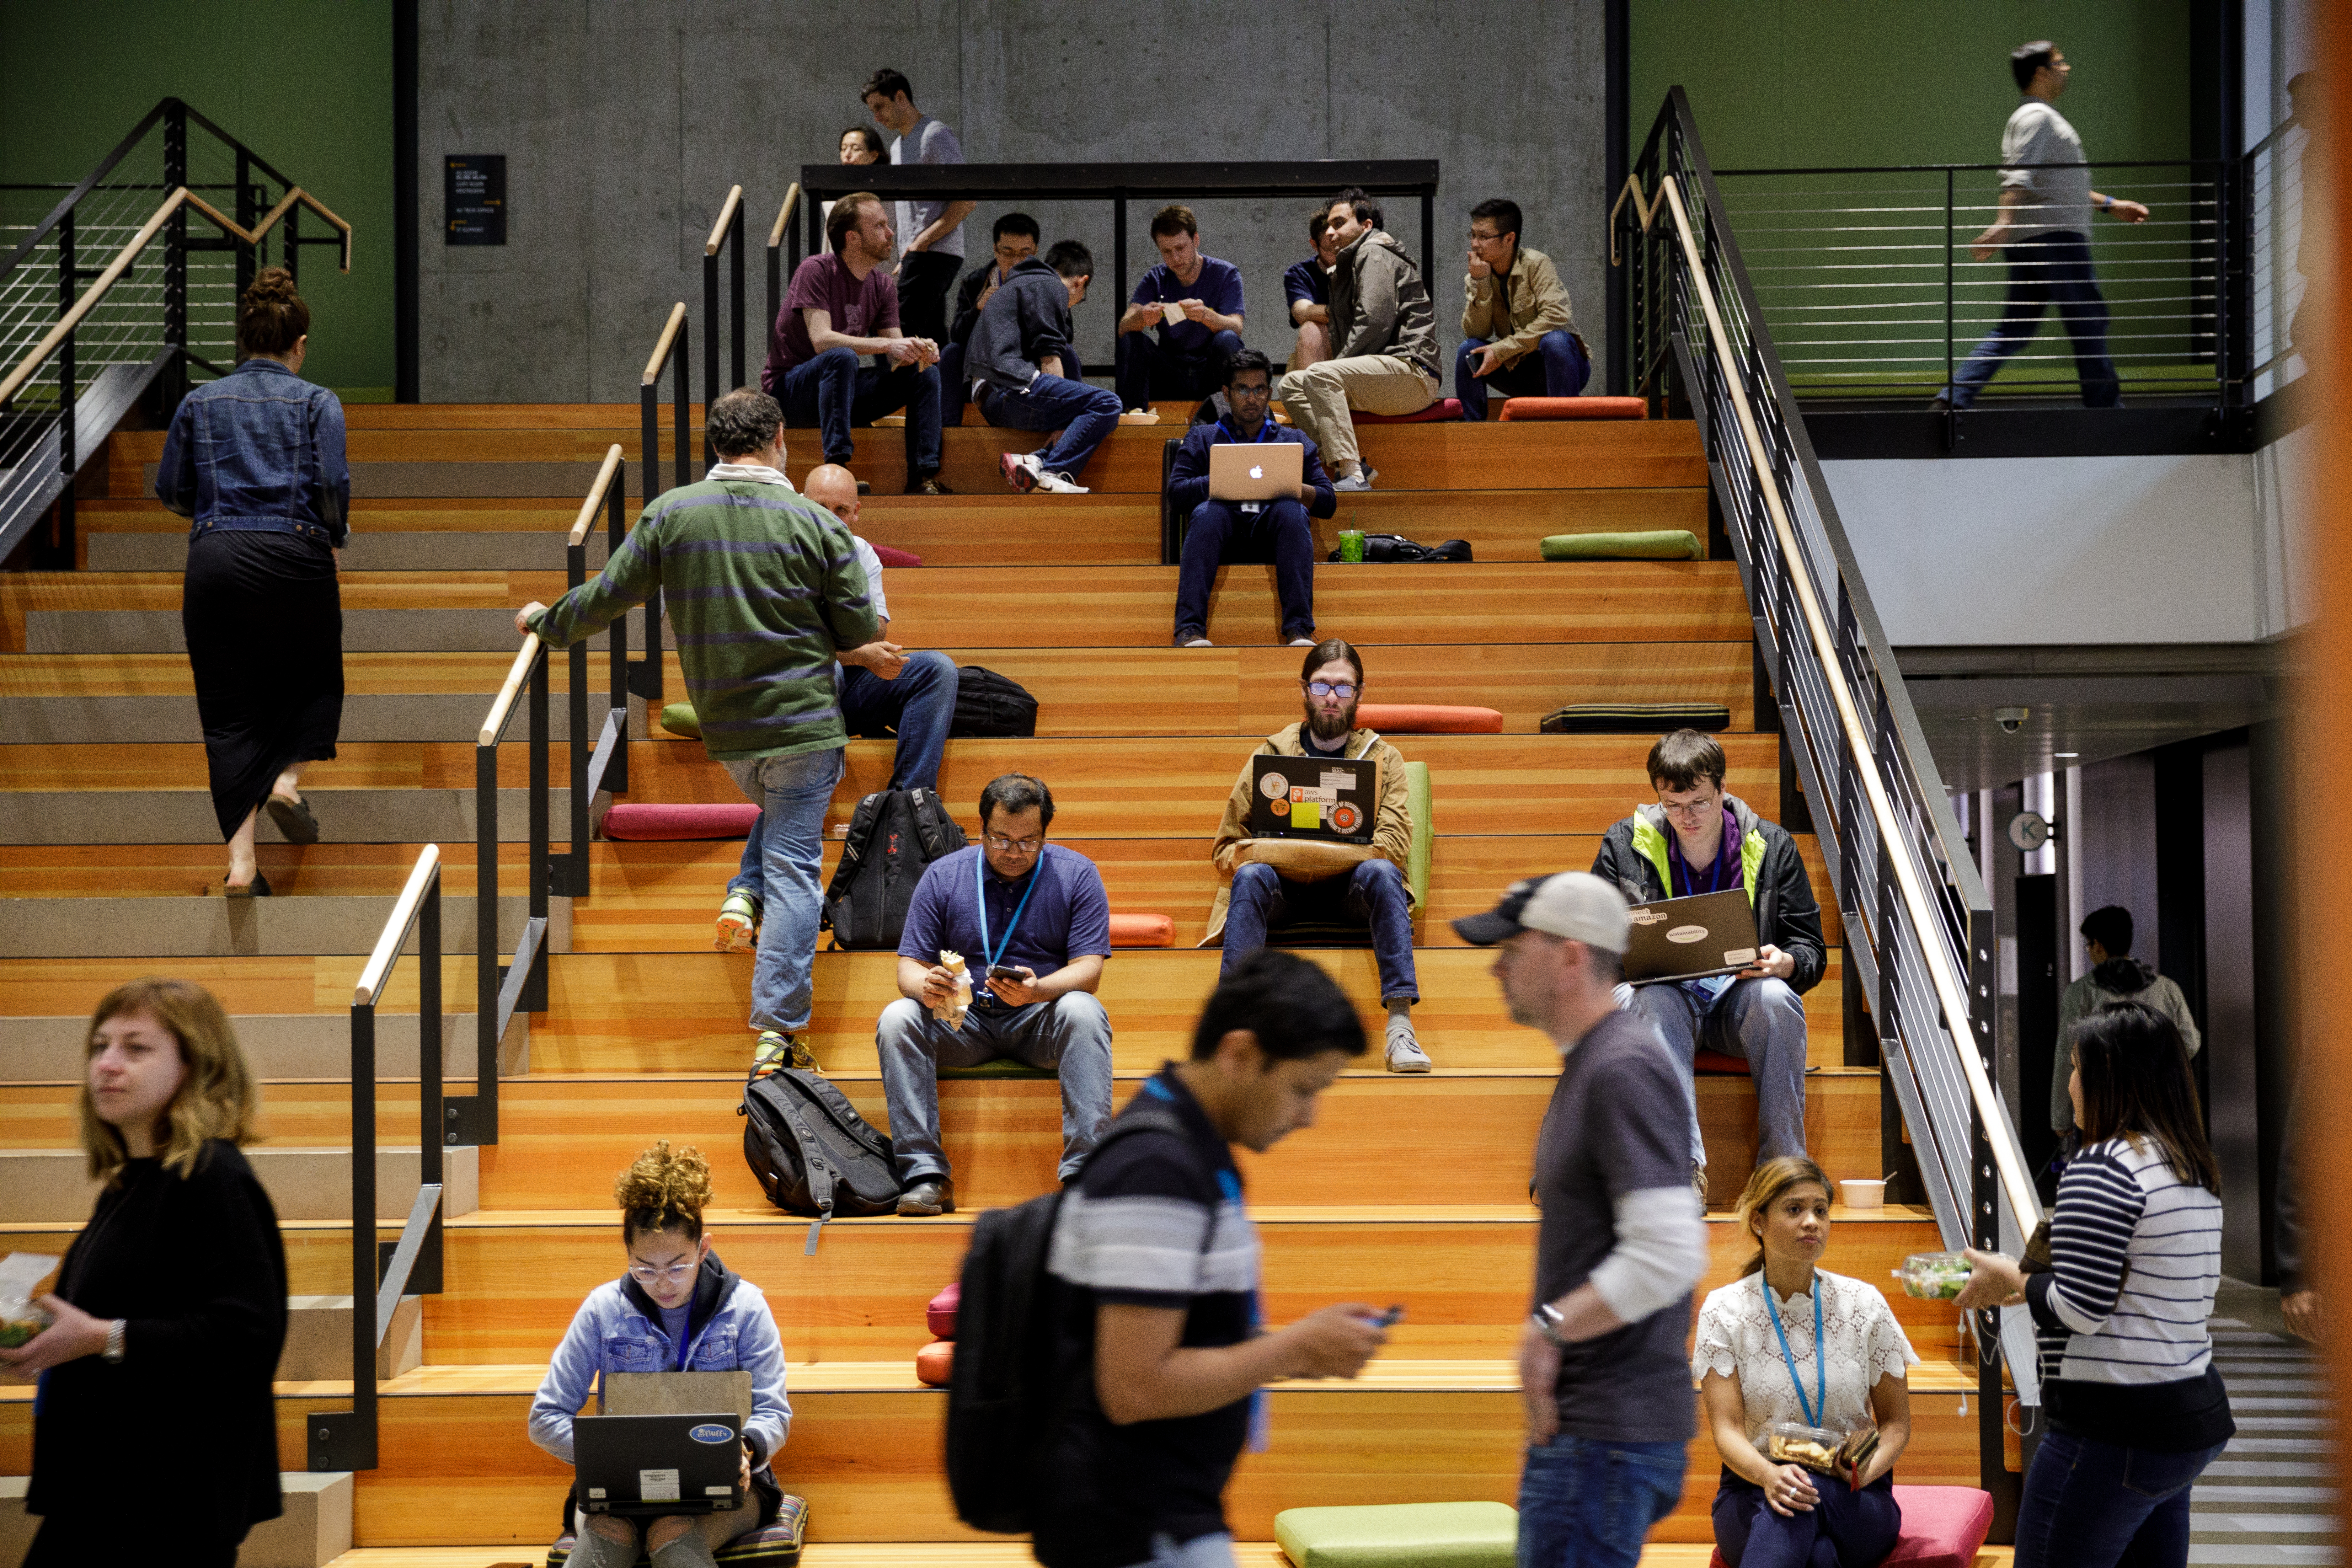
column 952, row 1013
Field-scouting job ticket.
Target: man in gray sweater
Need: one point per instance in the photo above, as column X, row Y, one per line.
column 2115, row 976
column 1384, row 338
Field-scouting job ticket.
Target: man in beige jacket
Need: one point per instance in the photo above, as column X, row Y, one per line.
column 1517, row 337
column 1358, row 884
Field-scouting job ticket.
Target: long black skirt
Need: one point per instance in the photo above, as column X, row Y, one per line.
column 264, row 622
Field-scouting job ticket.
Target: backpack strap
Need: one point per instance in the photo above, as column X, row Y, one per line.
column 818, row 1173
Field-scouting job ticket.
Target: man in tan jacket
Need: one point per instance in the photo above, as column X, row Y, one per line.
column 1316, row 881
column 1517, row 337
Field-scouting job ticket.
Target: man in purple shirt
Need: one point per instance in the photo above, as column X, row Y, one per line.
column 842, row 305
column 1184, row 322
column 1033, row 925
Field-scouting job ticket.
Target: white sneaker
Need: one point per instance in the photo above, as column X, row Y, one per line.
column 1057, row 484
column 1362, row 479
column 1195, row 642
column 1020, row 471
column 1302, row 642
column 1404, row 1052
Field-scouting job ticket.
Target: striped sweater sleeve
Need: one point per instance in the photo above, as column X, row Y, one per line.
column 2100, row 1202
column 628, row 580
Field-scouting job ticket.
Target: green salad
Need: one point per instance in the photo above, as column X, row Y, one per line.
column 1934, row 1276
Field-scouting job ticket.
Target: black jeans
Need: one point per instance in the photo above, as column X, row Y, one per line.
column 1220, row 531
column 926, row 279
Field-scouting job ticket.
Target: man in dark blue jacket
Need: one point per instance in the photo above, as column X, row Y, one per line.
column 1220, row 529
column 1023, row 371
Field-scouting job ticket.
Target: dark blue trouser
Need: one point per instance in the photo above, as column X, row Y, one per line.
column 2051, row 268
column 920, row 705
column 1557, row 369
column 1086, row 416
column 1846, row 1528
column 2101, row 1505
column 1373, row 893
column 1148, row 368
column 834, row 390
column 1588, row 1503
column 1220, row 530
column 955, row 383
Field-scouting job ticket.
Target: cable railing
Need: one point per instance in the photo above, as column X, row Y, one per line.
column 1918, row 923
column 2282, row 257
column 727, row 231
column 669, row 351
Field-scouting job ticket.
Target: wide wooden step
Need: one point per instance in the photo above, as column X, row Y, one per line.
column 52, row 1186
column 52, row 1050
column 210, row 926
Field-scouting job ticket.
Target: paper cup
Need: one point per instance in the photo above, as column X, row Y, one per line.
column 1865, row 1195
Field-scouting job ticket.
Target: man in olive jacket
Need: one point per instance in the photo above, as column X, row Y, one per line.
column 1698, row 839
column 1384, row 341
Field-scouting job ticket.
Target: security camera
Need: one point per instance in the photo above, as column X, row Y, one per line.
column 2011, row 720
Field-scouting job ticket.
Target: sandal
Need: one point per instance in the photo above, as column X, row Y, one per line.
column 294, row 819
column 256, row 889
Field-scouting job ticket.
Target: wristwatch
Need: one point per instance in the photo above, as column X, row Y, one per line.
column 113, row 1351
column 1546, row 1320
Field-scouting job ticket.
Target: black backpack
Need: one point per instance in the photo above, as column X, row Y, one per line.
column 894, row 836
column 988, row 704
column 812, row 1152
column 1395, row 547
column 1005, row 1395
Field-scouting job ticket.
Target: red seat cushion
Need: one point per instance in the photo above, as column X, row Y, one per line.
column 641, row 821
column 1444, row 408
column 1713, row 1061
column 889, row 557
column 1574, row 408
column 1943, row 1527
column 1142, row 931
column 939, row 1317
column 1428, row 719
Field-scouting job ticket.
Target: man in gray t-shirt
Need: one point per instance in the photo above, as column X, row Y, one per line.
column 2042, row 227
column 931, row 233
column 1623, row 1243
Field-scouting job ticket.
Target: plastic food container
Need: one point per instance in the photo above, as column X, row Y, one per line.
column 1790, row 1443
column 1934, row 1276
column 19, row 1321
column 1865, row 1195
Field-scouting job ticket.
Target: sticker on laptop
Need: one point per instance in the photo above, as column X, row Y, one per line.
column 1338, row 779
column 1279, row 805
column 1687, row 934
column 1738, row 955
column 1308, row 792
column 657, row 1486
column 1273, row 786
column 1306, row 813
column 1642, row 917
column 1344, row 817
column 711, row 1432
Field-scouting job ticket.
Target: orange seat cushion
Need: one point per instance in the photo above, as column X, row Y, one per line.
column 1575, row 408
column 1444, row 408
column 934, row 1363
column 1142, row 931
column 1428, row 719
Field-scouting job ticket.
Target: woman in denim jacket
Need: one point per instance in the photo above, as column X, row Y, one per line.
column 676, row 1308
column 256, row 459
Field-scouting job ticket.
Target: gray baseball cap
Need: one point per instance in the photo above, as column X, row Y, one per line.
column 1577, row 905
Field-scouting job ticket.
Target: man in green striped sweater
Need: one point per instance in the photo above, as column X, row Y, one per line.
column 763, row 589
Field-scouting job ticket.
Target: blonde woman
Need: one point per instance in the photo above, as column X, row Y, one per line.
column 173, row 1298
column 1788, row 1340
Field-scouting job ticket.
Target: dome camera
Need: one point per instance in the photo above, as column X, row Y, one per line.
column 2011, row 720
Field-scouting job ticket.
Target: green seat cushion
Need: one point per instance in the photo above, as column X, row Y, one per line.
column 1663, row 544
column 678, row 719
column 1401, row 1535
column 1000, row 1067
column 1635, row 718
column 1416, row 862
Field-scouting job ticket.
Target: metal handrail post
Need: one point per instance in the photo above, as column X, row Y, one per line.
column 175, row 255
column 432, row 1137
column 538, row 873
column 736, row 350
column 483, row 1111
column 681, row 417
column 616, row 502
column 710, row 345
column 61, row 540
column 365, row 1263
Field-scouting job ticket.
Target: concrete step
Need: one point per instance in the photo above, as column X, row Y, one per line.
column 314, row 1530
column 43, row 1187
column 279, row 1046
column 318, row 1340
column 396, row 717
column 347, row 816
column 503, row 552
column 413, row 630
column 244, row 928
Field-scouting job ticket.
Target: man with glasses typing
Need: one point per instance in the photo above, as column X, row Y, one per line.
column 1314, row 882
column 1698, row 839
column 1032, row 923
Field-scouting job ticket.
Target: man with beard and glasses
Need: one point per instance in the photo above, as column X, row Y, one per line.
column 1373, row 893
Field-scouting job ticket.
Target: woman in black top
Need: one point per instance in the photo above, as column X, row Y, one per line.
column 170, row 1311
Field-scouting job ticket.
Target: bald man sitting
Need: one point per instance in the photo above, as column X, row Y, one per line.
column 886, row 693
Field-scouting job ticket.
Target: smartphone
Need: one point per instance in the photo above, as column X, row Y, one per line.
column 1004, row 971
column 1391, row 1318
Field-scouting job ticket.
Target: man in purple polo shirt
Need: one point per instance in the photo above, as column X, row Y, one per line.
column 1033, row 925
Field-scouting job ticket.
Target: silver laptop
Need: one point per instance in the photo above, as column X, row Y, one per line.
column 1690, row 939
column 1255, row 470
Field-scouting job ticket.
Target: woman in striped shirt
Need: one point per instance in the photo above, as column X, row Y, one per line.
column 2136, row 1409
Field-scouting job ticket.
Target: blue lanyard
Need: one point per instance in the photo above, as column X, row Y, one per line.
column 1820, row 1364
column 1264, row 433
column 1690, row 883
column 980, row 891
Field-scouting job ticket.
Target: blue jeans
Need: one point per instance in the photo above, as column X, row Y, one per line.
column 1586, row 1502
column 2101, row 1505
column 1148, row 368
column 1846, row 1528
column 1557, row 369
column 919, row 704
column 1374, row 893
column 955, row 381
column 834, row 390
column 1762, row 1020
column 1220, row 531
column 1086, row 416
column 1070, row 1034
column 2051, row 268
column 792, row 794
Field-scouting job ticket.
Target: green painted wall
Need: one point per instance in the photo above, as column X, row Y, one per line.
column 307, row 84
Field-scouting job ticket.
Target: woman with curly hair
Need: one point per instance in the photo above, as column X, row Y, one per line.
column 675, row 1308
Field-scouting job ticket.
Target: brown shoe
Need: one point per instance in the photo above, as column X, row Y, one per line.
column 932, row 1195
column 929, row 485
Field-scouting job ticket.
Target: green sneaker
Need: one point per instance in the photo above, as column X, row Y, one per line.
column 738, row 923
column 775, row 1050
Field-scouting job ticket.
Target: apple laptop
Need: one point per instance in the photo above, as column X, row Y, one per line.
column 1255, row 470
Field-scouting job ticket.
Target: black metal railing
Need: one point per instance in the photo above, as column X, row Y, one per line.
column 1918, row 923
column 670, row 350
column 519, row 984
column 2281, row 254
column 601, row 763
column 783, row 259
column 728, row 231
column 346, row 1439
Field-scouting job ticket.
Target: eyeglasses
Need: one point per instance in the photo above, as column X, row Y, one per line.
column 1691, row 811
column 677, row 1273
column 1237, row 392
column 1477, row 238
column 1343, row 689
column 1013, row 846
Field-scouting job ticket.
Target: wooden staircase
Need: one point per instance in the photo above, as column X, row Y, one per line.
column 1408, row 1189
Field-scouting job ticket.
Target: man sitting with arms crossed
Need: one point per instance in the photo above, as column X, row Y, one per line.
column 1517, row 338
column 1024, row 373
column 1033, row 926
column 884, row 691
column 841, row 305
column 1373, row 892
column 1307, row 289
column 1183, row 358
column 1219, row 529
column 1698, row 839
column 1016, row 239
column 1384, row 335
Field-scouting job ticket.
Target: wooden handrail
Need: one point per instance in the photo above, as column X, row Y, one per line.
column 784, row 216
column 595, row 501
column 669, row 336
column 725, row 215
column 504, row 703
column 14, row 381
column 395, row 929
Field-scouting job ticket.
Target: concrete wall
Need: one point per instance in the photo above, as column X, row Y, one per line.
column 623, row 125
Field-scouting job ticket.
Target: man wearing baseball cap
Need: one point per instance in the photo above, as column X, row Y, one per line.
column 1622, row 1244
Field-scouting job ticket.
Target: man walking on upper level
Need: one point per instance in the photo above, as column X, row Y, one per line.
column 932, row 231
column 1383, row 333
column 2044, row 228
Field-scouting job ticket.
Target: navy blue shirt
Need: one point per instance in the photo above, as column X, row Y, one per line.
column 1068, row 915
column 1219, row 287
column 1306, row 281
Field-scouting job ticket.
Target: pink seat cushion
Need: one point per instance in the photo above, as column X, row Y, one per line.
column 1943, row 1527
column 939, row 1317
column 640, row 821
column 889, row 557
column 1444, row 408
column 1575, row 408
column 1428, row 719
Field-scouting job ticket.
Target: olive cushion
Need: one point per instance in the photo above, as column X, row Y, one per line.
column 1657, row 544
column 1401, row 1535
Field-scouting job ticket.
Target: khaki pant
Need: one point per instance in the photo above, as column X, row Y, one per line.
column 1319, row 396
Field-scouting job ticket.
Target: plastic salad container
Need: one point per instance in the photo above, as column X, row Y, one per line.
column 1934, row 1276
column 19, row 1321
column 1791, row 1443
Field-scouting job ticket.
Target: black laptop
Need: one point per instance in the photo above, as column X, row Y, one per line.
column 1690, row 939
column 1335, row 799
column 651, row 1465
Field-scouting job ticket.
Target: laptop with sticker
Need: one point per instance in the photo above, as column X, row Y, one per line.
column 1255, row 470
column 1335, row 799
column 1690, row 939
column 645, row 1466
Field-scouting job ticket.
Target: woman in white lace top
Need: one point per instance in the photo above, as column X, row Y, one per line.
column 1790, row 1342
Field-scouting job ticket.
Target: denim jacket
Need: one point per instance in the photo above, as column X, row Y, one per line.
column 259, row 449
column 618, row 1329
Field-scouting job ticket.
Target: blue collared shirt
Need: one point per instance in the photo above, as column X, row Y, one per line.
column 259, row 449
column 1069, row 914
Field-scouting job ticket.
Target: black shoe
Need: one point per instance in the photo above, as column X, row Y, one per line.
column 256, row 889
column 929, row 485
column 294, row 819
column 1940, row 405
column 930, row 1195
column 864, row 488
